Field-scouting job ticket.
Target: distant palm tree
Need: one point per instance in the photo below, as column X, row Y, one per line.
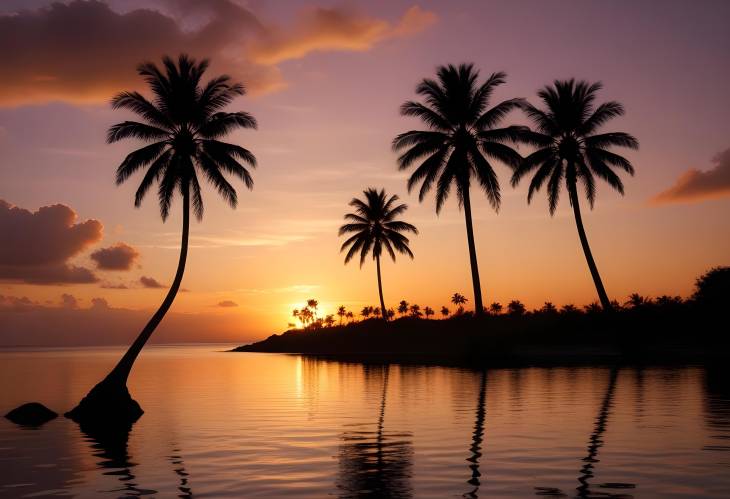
column 329, row 320
column 516, row 307
column 341, row 312
column 458, row 299
column 495, row 308
column 461, row 136
column 415, row 310
column 403, row 307
column 366, row 311
column 428, row 312
column 350, row 316
column 313, row 304
column 445, row 311
column 376, row 227
column 183, row 124
column 570, row 151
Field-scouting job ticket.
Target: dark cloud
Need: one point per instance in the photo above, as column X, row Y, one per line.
column 694, row 185
column 149, row 282
column 99, row 304
column 83, row 51
column 69, row 301
column 227, row 304
column 120, row 256
column 37, row 246
column 108, row 285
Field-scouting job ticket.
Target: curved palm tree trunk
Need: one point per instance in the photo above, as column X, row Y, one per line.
column 383, row 311
column 478, row 306
column 110, row 399
column 605, row 302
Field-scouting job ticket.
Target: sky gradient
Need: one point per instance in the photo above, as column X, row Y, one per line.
column 83, row 266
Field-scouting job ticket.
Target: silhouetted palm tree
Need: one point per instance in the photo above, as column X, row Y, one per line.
column 461, row 136
column 458, row 299
column 428, row 312
column 570, row 150
column 341, row 312
column 495, row 308
column 376, row 227
column 445, row 311
column 183, row 124
column 403, row 307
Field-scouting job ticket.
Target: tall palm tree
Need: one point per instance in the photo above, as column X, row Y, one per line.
column 183, row 124
column 459, row 143
column 569, row 150
column 375, row 226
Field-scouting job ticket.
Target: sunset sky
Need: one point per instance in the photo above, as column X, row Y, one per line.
column 325, row 82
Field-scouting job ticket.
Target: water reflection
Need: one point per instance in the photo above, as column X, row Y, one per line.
column 375, row 463
column 177, row 461
column 477, row 438
column 717, row 410
column 110, row 445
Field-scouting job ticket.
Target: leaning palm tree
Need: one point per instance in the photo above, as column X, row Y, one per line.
column 184, row 123
column 459, row 144
column 570, row 150
column 376, row 226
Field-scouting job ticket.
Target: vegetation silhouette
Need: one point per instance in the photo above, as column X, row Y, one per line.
column 462, row 134
column 184, row 123
column 643, row 329
column 376, row 464
column 570, row 150
column 375, row 225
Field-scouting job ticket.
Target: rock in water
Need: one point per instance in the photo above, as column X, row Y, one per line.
column 31, row 414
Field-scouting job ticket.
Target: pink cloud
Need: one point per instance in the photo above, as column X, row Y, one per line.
column 694, row 186
column 120, row 256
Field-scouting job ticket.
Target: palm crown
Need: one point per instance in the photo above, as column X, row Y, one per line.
column 183, row 122
column 461, row 137
column 375, row 226
column 569, row 149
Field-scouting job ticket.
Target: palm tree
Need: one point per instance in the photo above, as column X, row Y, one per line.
column 366, row 311
column 460, row 138
column 569, row 150
column 183, row 124
column 313, row 304
column 495, row 308
column 459, row 299
column 403, row 307
column 341, row 312
column 428, row 312
column 415, row 310
column 445, row 311
column 376, row 226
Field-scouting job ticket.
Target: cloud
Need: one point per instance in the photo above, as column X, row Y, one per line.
column 694, row 185
column 120, row 256
column 227, row 304
column 108, row 285
column 149, row 282
column 85, row 52
column 69, row 301
column 37, row 246
column 28, row 323
column 335, row 29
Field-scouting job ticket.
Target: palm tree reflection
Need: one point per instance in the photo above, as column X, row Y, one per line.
column 110, row 445
column 477, row 439
column 595, row 442
column 376, row 463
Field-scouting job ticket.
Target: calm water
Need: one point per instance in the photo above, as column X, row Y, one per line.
column 266, row 425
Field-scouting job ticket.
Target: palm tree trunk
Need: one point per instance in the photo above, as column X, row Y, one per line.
column 110, row 399
column 383, row 311
column 478, row 306
column 605, row 302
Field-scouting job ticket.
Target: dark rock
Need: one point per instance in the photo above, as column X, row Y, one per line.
column 31, row 414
